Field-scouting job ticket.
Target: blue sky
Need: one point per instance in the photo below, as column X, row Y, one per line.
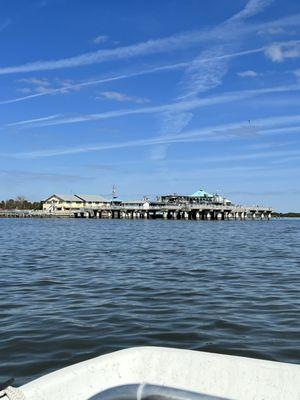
column 152, row 96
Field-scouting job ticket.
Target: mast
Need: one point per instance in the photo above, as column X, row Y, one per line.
column 114, row 191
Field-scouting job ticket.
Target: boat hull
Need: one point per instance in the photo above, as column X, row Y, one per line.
column 225, row 376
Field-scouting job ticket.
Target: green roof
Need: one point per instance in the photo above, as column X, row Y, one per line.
column 201, row 193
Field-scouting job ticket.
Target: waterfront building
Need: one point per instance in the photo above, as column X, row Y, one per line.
column 199, row 197
column 65, row 202
column 144, row 203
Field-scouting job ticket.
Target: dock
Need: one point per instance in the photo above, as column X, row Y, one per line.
column 174, row 212
column 197, row 206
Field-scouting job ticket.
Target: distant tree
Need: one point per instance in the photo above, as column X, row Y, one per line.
column 20, row 203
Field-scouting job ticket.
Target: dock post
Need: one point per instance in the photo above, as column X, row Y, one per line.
column 165, row 215
column 208, row 215
column 175, row 215
column 197, row 216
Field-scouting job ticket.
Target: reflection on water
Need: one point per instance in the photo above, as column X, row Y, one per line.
column 75, row 289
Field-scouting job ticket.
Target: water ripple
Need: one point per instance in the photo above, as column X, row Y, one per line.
column 75, row 289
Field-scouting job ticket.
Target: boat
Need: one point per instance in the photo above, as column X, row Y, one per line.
column 160, row 373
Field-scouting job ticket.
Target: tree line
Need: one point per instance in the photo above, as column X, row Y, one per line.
column 288, row 215
column 20, row 203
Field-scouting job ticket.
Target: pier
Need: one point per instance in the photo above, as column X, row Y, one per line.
column 197, row 206
column 177, row 212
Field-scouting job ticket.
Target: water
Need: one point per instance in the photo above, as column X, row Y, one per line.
column 75, row 289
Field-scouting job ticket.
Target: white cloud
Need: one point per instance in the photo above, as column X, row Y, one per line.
column 35, row 81
column 271, row 31
column 252, row 8
column 36, row 120
column 157, row 46
column 168, row 67
column 43, row 86
column 159, row 152
column 297, row 73
column 25, row 90
column 205, row 72
column 247, row 74
column 122, row 97
column 171, row 122
column 100, row 39
column 174, row 122
column 278, row 52
column 177, row 107
column 208, row 70
column 209, row 133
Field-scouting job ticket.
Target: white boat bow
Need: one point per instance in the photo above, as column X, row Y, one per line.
column 222, row 376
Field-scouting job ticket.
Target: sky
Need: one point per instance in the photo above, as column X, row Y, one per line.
column 154, row 97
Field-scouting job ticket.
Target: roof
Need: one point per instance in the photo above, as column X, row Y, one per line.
column 116, row 199
column 64, row 197
column 136, row 201
column 201, row 193
column 92, row 198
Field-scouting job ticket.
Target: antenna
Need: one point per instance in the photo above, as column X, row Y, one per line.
column 114, row 191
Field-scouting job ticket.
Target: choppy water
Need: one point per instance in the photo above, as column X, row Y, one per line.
column 75, row 289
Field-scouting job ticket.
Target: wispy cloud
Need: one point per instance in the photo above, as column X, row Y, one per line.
column 252, row 8
column 5, row 24
column 36, row 120
column 278, row 52
column 182, row 106
column 210, row 133
column 297, row 73
column 209, row 68
column 100, row 39
column 122, row 97
column 253, row 156
column 173, row 122
column 18, row 175
column 157, row 46
column 248, row 74
column 35, row 81
column 77, row 86
column 43, row 86
column 271, row 31
column 205, row 72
